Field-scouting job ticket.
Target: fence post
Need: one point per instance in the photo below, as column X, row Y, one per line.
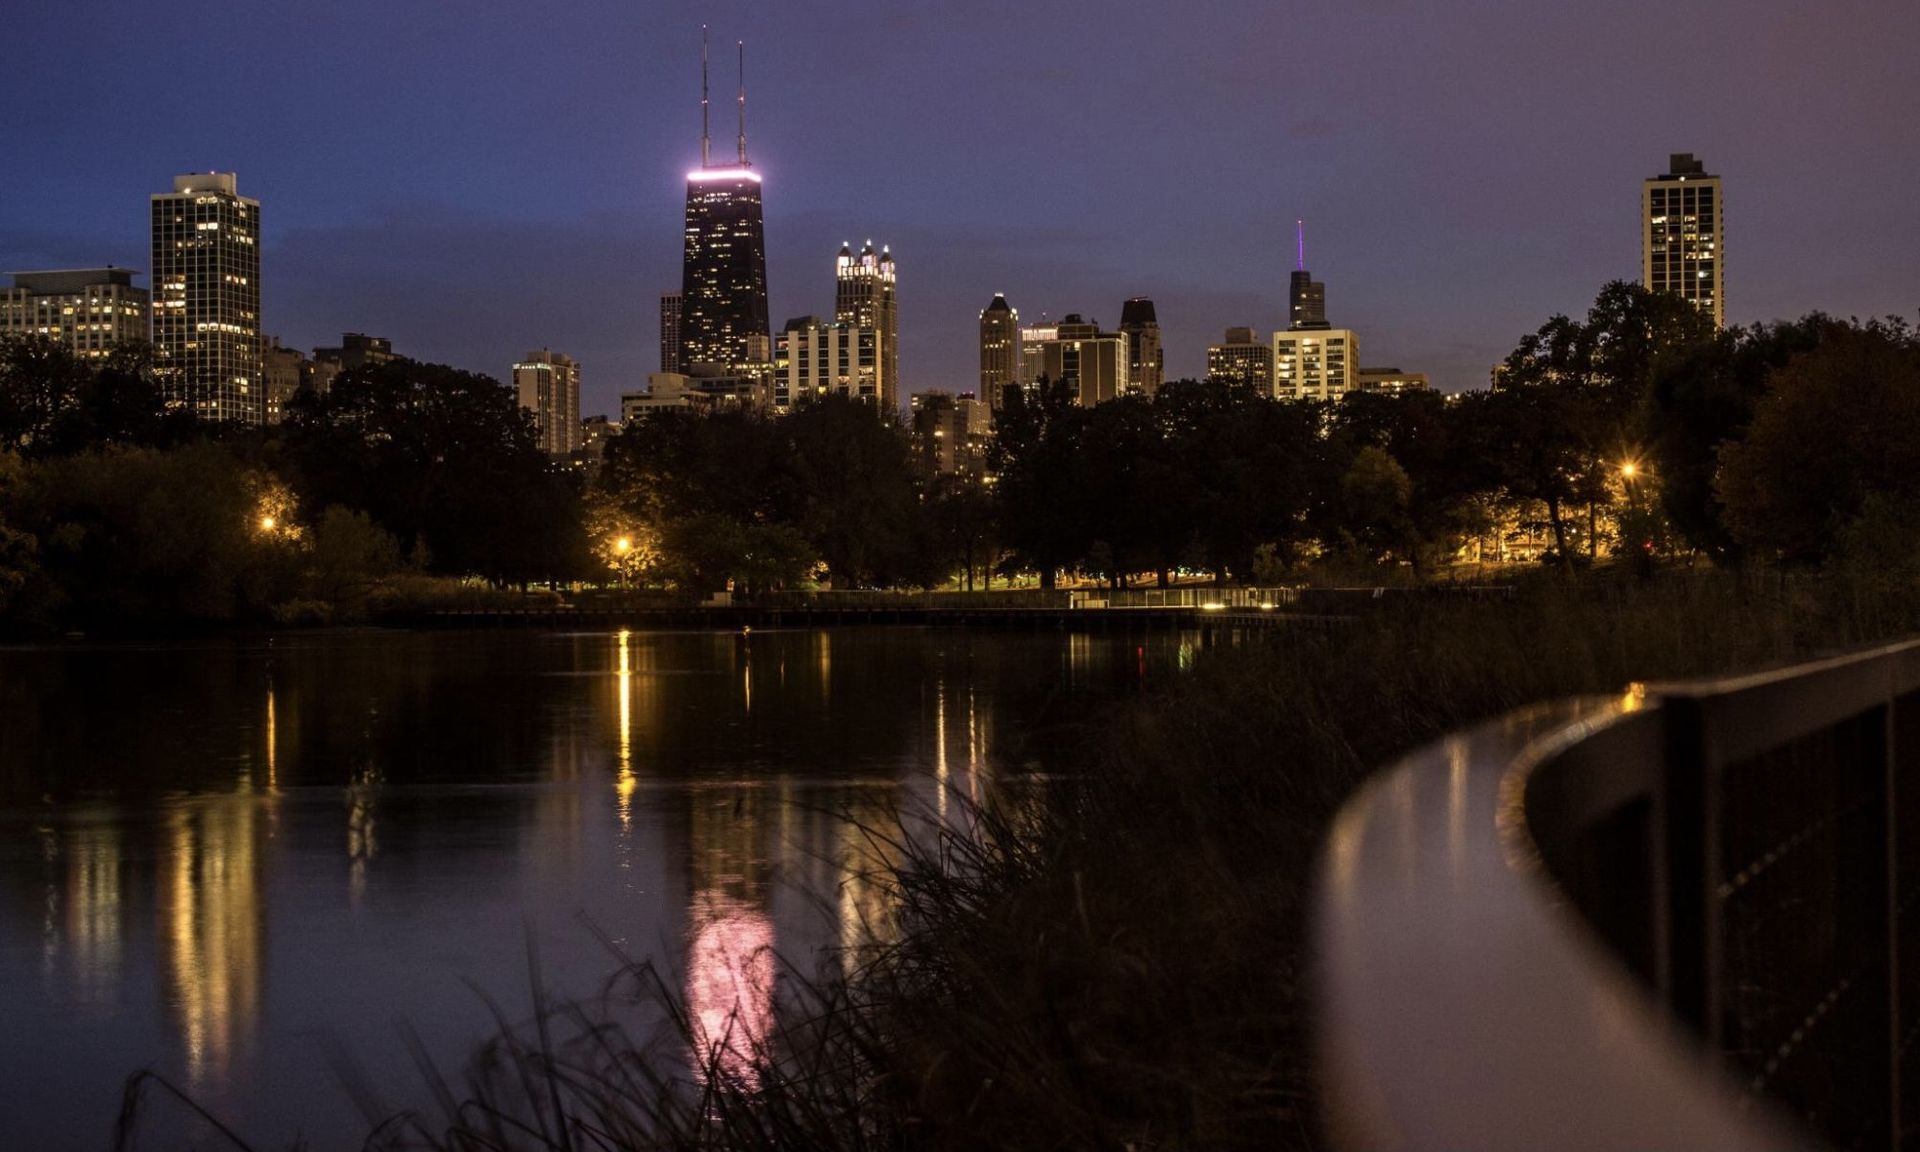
column 1890, row 796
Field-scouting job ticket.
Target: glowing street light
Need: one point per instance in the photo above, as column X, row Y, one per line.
column 1629, row 469
column 623, row 545
column 267, row 523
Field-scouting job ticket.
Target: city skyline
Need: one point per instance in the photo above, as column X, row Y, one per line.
column 1448, row 220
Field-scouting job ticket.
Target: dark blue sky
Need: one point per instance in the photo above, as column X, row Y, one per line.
column 481, row 178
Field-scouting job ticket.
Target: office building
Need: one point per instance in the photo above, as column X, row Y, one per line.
column 669, row 331
column 951, row 433
column 548, row 385
column 206, row 298
column 1681, row 237
column 1090, row 362
column 999, row 350
column 865, row 297
column 678, row 390
column 723, row 288
column 1033, row 339
column 1306, row 297
column 812, row 359
column 90, row 310
column 1391, row 381
column 1145, row 362
column 1315, row 364
column 1242, row 358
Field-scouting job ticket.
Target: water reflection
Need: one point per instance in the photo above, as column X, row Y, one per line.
column 267, row 841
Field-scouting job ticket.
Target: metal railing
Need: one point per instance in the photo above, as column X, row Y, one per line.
column 1675, row 918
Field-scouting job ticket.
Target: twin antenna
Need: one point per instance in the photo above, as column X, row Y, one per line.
column 706, row 144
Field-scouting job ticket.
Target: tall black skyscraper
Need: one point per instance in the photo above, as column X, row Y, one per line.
column 723, row 278
column 1145, row 360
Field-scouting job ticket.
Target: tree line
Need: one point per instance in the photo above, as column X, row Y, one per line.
column 1637, row 433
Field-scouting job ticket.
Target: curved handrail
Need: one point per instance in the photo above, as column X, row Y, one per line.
column 1462, row 1004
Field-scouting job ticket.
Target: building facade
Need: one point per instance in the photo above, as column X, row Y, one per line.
column 206, row 298
column 1392, row 381
column 812, row 359
column 1242, row 358
column 355, row 350
column 1682, row 229
column 866, row 296
column 999, row 350
column 1315, row 364
column 669, row 331
column 286, row 371
column 91, row 310
column 1090, row 362
column 951, row 433
column 1033, row 340
column 1146, row 363
column 548, row 385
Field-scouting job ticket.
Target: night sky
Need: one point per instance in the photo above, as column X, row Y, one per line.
column 477, row 179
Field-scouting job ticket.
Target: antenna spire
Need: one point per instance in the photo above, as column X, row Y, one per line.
column 706, row 160
column 1300, row 243
column 742, row 46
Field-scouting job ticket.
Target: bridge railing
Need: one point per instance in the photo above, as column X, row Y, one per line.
column 1676, row 918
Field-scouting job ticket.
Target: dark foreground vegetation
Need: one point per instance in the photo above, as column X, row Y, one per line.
column 1636, row 434
column 1115, row 961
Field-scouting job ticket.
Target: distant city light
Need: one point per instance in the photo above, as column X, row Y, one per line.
column 702, row 175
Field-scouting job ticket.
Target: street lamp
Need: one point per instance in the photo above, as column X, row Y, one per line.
column 623, row 545
column 1628, row 469
column 267, row 523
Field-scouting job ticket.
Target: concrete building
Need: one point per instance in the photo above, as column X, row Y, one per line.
column 91, row 310
column 1146, row 362
column 999, row 349
column 679, row 390
column 286, row 371
column 1242, row 358
column 951, row 433
column 206, row 298
column 866, row 297
column 1315, row 364
column 1033, row 339
column 1091, row 362
column 1682, row 234
column 670, row 332
column 548, row 385
column 1392, row 381
column 812, row 358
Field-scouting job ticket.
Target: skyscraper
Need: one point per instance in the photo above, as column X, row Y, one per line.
column 90, row 310
column 1312, row 360
column 548, row 385
column 723, row 286
column 1681, row 235
column 1145, row 361
column 669, row 331
column 812, row 359
column 999, row 350
column 206, row 298
column 864, row 297
column 1241, row 359
column 1306, row 297
column 1092, row 363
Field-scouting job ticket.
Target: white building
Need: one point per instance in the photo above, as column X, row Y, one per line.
column 811, row 358
column 90, row 310
column 1315, row 364
column 1681, row 235
column 548, row 385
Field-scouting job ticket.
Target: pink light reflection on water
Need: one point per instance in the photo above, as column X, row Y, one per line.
column 730, row 973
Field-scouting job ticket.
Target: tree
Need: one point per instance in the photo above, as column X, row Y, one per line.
column 53, row 403
column 1375, row 494
column 1834, row 442
column 1035, row 433
column 853, row 494
column 445, row 461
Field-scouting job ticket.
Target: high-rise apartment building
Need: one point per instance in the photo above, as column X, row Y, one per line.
column 548, row 385
column 999, row 350
column 723, row 285
column 90, row 310
column 1033, row 340
column 1242, row 358
column 1090, row 362
column 1682, row 235
column 865, row 297
column 669, row 331
column 206, row 298
column 1315, row 363
column 814, row 359
column 355, row 350
column 1146, row 364
column 950, row 433
column 284, row 371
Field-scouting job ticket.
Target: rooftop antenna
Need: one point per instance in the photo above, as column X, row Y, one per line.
column 742, row 46
column 706, row 160
column 1300, row 243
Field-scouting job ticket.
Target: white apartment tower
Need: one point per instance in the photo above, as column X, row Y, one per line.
column 90, row 310
column 206, row 298
column 548, row 385
column 813, row 359
column 1682, row 235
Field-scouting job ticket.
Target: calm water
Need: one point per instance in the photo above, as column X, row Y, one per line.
column 222, row 860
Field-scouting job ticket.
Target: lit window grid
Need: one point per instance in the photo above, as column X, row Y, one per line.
column 206, row 307
column 91, row 323
column 1683, row 241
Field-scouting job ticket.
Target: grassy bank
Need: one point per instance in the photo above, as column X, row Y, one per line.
column 1119, row 965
